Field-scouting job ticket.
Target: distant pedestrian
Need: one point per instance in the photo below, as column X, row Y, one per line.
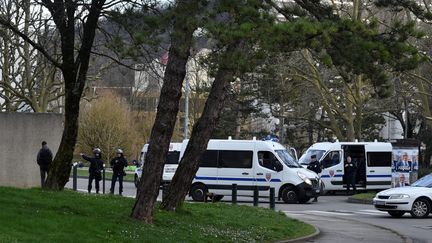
column 350, row 174
column 315, row 166
column 44, row 159
column 118, row 164
column 95, row 169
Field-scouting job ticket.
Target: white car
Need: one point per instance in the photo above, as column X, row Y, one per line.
column 415, row 199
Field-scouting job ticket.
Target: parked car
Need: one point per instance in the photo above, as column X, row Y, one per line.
column 415, row 199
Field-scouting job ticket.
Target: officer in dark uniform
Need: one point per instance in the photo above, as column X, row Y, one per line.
column 350, row 174
column 314, row 166
column 95, row 169
column 118, row 164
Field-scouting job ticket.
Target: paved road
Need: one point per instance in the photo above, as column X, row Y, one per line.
column 338, row 220
column 356, row 216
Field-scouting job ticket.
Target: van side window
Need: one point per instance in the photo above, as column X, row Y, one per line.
column 331, row 159
column 267, row 160
column 377, row 159
column 172, row 158
column 209, row 158
column 235, row 159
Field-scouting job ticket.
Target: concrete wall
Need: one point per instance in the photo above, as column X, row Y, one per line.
column 21, row 135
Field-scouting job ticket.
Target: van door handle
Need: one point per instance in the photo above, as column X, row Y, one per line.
column 338, row 170
column 260, row 174
column 245, row 173
column 371, row 171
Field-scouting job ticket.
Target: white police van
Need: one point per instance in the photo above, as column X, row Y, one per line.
column 171, row 163
column 373, row 160
column 250, row 163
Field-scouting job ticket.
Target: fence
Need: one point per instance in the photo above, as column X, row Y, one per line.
column 234, row 188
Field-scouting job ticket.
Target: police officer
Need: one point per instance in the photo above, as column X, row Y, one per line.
column 118, row 164
column 350, row 174
column 96, row 166
column 314, row 166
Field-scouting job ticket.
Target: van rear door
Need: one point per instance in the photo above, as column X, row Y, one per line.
column 378, row 171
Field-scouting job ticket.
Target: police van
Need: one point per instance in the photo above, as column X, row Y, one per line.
column 373, row 161
column 171, row 162
column 250, row 163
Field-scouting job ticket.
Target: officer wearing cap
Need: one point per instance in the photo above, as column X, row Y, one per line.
column 118, row 164
column 314, row 166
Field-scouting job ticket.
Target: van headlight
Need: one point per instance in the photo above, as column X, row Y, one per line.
column 304, row 178
column 398, row 196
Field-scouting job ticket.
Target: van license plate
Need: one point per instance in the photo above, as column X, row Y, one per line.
column 379, row 202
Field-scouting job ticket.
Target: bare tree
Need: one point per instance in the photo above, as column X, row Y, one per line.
column 29, row 81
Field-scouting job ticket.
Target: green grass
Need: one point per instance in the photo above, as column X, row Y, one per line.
column 33, row 215
column 108, row 175
column 365, row 196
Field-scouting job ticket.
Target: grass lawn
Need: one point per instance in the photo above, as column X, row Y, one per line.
column 33, row 215
column 108, row 175
column 365, row 196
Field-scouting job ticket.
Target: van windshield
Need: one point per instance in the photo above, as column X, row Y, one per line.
column 287, row 158
column 305, row 158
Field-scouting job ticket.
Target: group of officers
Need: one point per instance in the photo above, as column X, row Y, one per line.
column 350, row 172
column 118, row 163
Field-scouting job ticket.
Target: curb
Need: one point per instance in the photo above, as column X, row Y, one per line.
column 359, row 201
column 304, row 238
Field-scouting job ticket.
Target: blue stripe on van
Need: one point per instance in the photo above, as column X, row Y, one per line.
column 379, row 176
column 328, row 176
column 264, row 180
column 233, row 179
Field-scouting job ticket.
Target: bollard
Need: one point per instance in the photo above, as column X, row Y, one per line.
column 256, row 194
column 103, row 180
column 165, row 189
column 234, row 194
column 272, row 198
column 74, row 176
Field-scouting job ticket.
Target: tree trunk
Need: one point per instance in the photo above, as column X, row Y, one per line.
column 74, row 74
column 60, row 169
column 163, row 128
column 201, row 133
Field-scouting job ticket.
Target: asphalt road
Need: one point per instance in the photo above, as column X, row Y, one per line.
column 338, row 220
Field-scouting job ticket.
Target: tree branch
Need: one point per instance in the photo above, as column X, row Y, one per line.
column 38, row 47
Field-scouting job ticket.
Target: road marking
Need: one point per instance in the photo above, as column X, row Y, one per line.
column 371, row 212
column 336, row 213
column 317, row 212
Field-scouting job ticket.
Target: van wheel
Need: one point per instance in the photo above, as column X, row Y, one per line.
column 198, row 192
column 420, row 208
column 136, row 181
column 396, row 214
column 289, row 194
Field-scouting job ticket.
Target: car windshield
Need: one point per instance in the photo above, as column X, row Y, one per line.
column 287, row 158
column 306, row 158
column 425, row 181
